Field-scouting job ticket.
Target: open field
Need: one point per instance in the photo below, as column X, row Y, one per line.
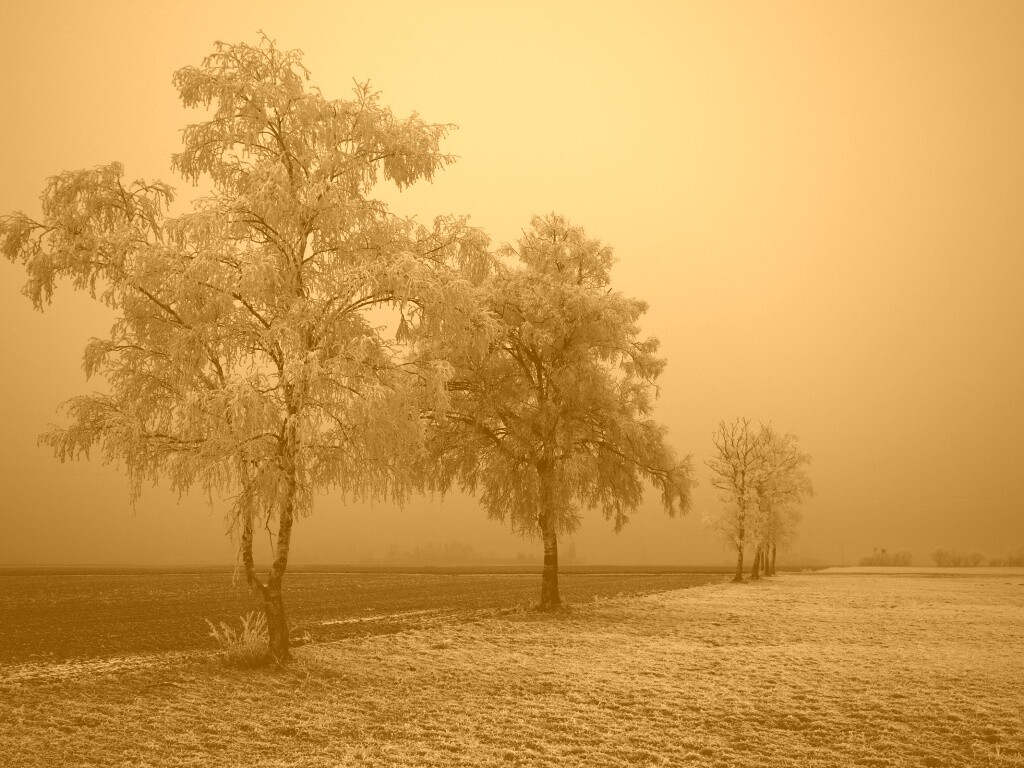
column 802, row 670
column 928, row 570
column 50, row 615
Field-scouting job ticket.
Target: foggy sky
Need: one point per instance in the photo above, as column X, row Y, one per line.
column 821, row 202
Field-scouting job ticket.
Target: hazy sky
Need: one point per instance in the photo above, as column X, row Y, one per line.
column 823, row 204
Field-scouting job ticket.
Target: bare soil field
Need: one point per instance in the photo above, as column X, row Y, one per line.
column 798, row 670
column 93, row 614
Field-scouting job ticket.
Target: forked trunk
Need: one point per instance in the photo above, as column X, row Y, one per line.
column 277, row 624
column 270, row 593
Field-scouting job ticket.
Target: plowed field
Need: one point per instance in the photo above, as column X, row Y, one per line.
column 47, row 617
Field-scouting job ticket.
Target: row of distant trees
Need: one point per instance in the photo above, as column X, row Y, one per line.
column 247, row 357
column 455, row 553
column 945, row 558
column 951, row 557
column 761, row 476
column 1014, row 559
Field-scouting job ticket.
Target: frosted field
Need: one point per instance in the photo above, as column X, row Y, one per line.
column 802, row 670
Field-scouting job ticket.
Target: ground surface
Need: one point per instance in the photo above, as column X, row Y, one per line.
column 50, row 616
column 930, row 570
column 801, row 670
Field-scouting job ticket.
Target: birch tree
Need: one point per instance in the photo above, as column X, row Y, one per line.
column 736, row 467
column 242, row 361
column 552, row 417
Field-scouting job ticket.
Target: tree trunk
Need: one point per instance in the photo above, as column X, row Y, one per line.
column 549, row 597
column 738, row 578
column 271, row 593
column 277, row 623
column 755, row 567
column 772, row 566
column 255, row 583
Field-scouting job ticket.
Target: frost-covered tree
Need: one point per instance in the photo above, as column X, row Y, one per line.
column 553, row 415
column 781, row 484
column 760, row 476
column 778, row 528
column 242, row 360
column 735, row 468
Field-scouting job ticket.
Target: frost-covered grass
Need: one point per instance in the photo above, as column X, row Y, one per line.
column 802, row 670
column 934, row 570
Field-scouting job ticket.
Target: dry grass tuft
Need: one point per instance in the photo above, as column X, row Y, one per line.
column 247, row 647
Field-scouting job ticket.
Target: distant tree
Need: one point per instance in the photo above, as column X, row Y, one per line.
column 779, row 486
column 902, row 559
column 882, row 557
column 761, row 477
column 943, row 558
column 1012, row 559
column 553, row 416
column 867, row 560
column 242, row 360
column 947, row 558
column 736, row 468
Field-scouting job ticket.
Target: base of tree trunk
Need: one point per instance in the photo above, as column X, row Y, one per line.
column 277, row 629
column 738, row 578
column 550, row 600
column 759, row 567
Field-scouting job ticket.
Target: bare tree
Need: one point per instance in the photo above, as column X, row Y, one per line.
column 736, row 467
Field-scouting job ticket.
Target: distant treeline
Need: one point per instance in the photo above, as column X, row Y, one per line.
column 885, row 558
column 1012, row 558
column 459, row 553
column 944, row 558
column 949, row 557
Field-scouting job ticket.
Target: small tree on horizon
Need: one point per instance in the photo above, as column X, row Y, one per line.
column 736, row 466
column 760, row 476
column 242, row 360
column 780, row 485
